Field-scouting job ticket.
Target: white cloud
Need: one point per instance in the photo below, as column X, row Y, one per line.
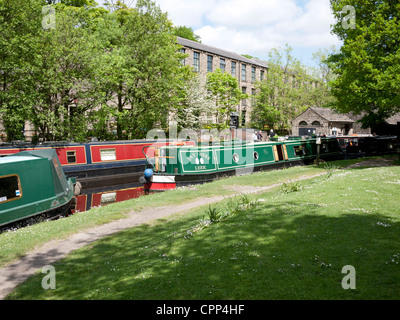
column 187, row 13
column 251, row 14
column 256, row 26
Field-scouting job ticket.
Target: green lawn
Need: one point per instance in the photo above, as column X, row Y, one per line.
column 290, row 243
column 16, row 243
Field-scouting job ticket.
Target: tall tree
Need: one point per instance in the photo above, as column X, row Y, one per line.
column 187, row 33
column 321, row 94
column 368, row 64
column 19, row 28
column 141, row 68
column 224, row 89
column 284, row 93
column 195, row 104
column 61, row 77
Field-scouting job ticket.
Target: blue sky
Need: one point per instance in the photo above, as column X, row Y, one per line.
column 255, row 26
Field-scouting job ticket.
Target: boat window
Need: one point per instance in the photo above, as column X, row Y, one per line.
column 10, row 188
column 71, row 156
column 255, row 155
column 298, row 150
column 235, row 158
column 108, row 154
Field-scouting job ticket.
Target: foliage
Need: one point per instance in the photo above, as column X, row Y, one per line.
column 142, row 71
column 195, row 103
column 224, row 89
column 368, row 62
column 18, row 33
column 290, row 186
column 187, row 33
column 321, row 95
column 284, row 93
column 118, row 67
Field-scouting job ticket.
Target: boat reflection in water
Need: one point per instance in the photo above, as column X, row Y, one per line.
column 91, row 198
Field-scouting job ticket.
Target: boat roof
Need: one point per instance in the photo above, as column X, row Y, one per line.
column 13, row 159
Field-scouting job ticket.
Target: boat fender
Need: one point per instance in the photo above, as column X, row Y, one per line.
column 148, row 173
column 142, row 179
column 77, row 188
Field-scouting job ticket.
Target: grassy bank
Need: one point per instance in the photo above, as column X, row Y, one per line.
column 289, row 243
column 16, row 243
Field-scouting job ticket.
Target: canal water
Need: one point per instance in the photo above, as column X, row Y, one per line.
column 91, row 198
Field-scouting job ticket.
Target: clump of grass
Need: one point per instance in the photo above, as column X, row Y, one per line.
column 330, row 169
column 216, row 214
column 290, row 186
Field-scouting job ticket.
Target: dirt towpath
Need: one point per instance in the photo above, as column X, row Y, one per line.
column 17, row 272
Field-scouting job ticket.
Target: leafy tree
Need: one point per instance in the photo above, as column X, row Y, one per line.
column 195, row 103
column 61, row 78
column 224, row 89
column 19, row 28
column 140, row 68
column 367, row 65
column 187, row 33
column 321, row 95
column 284, row 93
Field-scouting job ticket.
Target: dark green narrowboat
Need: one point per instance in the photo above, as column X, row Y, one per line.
column 185, row 165
column 33, row 183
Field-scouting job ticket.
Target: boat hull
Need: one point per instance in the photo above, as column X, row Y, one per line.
column 189, row 166
column 32, row 183
column 99, row 164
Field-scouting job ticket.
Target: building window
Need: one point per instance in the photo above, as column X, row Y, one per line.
column 253, row 74
column 303, row 123
column 184, row 52
column 244, row 101
column 210, row 63
column 261, row 75
column 243, row 72
column 243, row 118
column 196, row 61
column 233, row 69
column 222, row 64
column 253, row 97
column 316, row 123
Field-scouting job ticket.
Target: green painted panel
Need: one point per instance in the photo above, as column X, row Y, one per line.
column 41, row 184
column 198, row 160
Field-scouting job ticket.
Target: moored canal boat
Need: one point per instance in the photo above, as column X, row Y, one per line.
column 32, row 183
column 184, row 165
column 96, row 164
column 367, row 145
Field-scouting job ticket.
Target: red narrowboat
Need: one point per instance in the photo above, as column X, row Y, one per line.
column 96, row 164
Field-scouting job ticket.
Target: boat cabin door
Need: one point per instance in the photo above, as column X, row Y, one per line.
column 280, row 152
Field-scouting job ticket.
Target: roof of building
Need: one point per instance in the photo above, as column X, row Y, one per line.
column 220, row 52
column 331, row 115
column 393, row 119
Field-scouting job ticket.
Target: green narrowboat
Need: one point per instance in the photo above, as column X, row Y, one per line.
column 33, row 183
column 184, row 165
